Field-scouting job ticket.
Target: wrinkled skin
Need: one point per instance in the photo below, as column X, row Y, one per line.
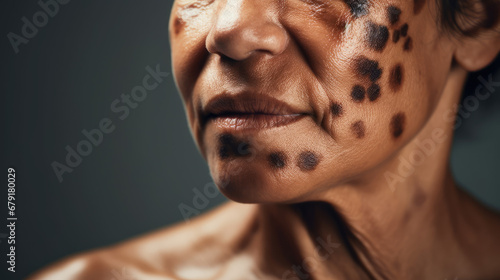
column 330, row 197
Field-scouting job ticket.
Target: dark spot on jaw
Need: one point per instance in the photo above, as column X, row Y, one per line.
column 419, row 197
column 373, row 92
column 393, row 14
column 396, row 35
column 358, row 128
column 396, row 77
column 336, row 109
column 408, row 46
column 418, row 5
column 377, row 36
column 307, row 161
column 397, row 125
column 358, row 93
column 230, row 147
column 277, row 160
column 358, row 8
column 404, row 30
column 368, row 68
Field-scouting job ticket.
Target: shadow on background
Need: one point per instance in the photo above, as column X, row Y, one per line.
column 65, row 79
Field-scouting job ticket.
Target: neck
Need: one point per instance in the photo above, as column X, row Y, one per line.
column 405, row 219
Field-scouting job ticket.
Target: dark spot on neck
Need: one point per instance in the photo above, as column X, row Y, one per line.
column 404, row 29
column 358, row 8
column 393, row 14
column 396, row 35
column 373, row 92
column 358, row 93
column 336, row 109
column 396, row 77
column 368, row 68
column 408, row 46
column 418, row 5
column 397, row 125
column 377, row 36
column 277, row 160
column 230, row 146
column 358, row 128
column 307, row 161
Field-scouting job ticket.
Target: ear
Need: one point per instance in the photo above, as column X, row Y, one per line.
column 475, row 53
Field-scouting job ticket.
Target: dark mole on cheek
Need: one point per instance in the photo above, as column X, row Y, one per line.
column 368, row 68
column 404, row 29
column 393, row 14
column 229, row 146
column 358, row 7
column 307, row 161
column 377, row 36
column 408, row 46
column 396, row 77
column 358, row 93
column 358, row 128
column 418, row 5
column 336, row 109
column 178, row 25
column 373, row 92
column 277, row 160
column 396, row 35
column 397, row 125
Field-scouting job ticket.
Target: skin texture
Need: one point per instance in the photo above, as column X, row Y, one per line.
column 325, row 195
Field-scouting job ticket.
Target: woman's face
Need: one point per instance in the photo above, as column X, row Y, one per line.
column 286, row 98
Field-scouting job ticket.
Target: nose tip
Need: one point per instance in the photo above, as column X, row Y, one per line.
column 239, row 35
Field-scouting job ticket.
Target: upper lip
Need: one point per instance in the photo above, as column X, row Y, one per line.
column 228, row 105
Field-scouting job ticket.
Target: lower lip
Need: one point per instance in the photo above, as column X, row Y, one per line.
column 255, row 121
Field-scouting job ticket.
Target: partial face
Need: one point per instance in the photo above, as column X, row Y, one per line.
column 288, row 98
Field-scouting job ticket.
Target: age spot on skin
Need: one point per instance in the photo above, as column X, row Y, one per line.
column 393, row 14
column 373, row 92
column 397, row 125
column 358, row 128
column 408, row 46
column 404, row 30
column 396, row 77
column 358, row 93
column 307, row 161
column 277, row 160
column 368, row 68
column 396, row 35
column 358, row 8
column 336, row 109
column 178, row 25
column 230, row 147
column 377, row 36
column 418, row 5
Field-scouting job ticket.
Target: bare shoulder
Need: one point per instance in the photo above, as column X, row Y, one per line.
column 162, row 254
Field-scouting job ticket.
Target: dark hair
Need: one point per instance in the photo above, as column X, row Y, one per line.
column 468, row 17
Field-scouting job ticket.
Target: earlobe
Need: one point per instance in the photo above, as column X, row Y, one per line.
column 475, row 53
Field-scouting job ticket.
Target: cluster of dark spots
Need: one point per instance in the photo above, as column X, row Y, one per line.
column 230, row 146
column 358, row 129
column 418, row 5
column 336, row 109
column 373, row 92
column 358, row 8
column 277, row 160
column 368, row 68
column 408, row 46
column 396, row 77
column 307, row 161
column 397, row 125
column 393, row 14
column 358, row 93
column 376, row 36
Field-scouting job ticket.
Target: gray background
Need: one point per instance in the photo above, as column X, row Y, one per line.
column 64, row 80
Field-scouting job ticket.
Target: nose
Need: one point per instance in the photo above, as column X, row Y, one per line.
column 244, row 27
